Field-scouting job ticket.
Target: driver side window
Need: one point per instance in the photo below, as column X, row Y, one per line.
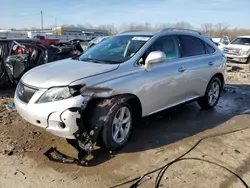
column 168, row 44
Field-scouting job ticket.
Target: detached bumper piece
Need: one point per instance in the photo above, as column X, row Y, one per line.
column 56, row 156
column 84, row 151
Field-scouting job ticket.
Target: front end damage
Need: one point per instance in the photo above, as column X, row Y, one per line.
column 86, row 137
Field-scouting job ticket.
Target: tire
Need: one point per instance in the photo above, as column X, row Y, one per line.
column 106, row 136
column 109, row 130
column 248, row 60
column 212, row 95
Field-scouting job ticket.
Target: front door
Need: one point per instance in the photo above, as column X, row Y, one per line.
column 165, row 83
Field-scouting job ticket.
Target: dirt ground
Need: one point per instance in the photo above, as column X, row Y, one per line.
column 155, row 141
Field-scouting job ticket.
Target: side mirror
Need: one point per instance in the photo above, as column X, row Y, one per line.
column 154, row 57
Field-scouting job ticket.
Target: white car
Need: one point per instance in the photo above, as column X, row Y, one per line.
column 238, row 50
column 221, row 42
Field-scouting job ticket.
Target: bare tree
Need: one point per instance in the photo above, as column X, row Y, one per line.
column 110, row 28
column 183, row 25
column 207, row 28
column 222, row 28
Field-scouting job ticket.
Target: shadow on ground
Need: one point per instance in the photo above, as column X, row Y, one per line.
column 149, row 133
column 181, row 122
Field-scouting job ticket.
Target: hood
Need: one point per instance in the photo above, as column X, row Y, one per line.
column 61, row 73
column 237, row 46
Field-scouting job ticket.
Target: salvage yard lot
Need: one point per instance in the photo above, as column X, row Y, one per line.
column 155, row 141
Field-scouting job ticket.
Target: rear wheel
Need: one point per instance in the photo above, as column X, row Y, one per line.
column 212, row 95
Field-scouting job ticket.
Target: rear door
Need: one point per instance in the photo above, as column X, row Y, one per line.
column 199, row 64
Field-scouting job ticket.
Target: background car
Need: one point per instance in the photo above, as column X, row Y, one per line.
column 93, row 42
column 239, row 50
column 221, row 42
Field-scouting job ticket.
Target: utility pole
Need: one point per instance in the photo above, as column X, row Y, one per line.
column 42, row 20
column 55, row 22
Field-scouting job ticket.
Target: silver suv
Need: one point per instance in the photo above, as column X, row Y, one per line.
column 96, row 97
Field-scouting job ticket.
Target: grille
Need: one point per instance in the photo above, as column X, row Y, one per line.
column 25, row 93
column 232, row 51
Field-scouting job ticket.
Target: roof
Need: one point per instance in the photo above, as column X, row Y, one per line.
column 19, row 39
column 170, row 30
column 247, row 36
column 216, row 39
column 146, row 32
column 24, row 41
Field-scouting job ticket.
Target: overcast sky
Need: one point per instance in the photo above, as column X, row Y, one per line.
column 26, row 13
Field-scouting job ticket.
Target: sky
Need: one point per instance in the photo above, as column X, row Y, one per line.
column 26, row 13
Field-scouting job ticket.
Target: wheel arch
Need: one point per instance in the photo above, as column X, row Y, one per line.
column 221, row 77
column 132, row 99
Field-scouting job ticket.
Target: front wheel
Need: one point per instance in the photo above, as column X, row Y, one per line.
column 212, row 95
column 117, row 130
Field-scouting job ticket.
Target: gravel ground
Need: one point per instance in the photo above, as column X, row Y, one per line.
column 155, row 141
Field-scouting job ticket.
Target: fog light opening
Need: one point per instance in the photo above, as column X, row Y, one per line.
column 62, row 125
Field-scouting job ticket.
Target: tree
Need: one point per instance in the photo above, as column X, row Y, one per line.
column 183, row 25
column 222, row 28
column 207, row 28
column 112, row 30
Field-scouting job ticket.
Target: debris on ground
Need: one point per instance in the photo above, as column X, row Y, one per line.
column 11, row 107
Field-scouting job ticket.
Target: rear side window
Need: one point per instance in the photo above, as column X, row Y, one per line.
column 209, row 49
column 191, row 46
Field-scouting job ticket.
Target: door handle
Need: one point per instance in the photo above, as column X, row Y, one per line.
column 182, row 69
column 211, row 63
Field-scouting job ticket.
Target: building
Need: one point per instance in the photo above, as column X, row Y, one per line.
column 78, row 31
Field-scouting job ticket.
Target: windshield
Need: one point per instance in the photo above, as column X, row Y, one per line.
column 96, row 40
column 241, row 41
column 117, row 49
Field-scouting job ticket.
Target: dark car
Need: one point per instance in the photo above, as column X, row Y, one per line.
column 17, row 56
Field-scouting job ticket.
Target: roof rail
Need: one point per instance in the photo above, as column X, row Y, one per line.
column 180, row 29
column 130, row 31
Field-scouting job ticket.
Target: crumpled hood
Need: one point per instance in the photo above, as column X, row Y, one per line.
column 237, row 46
column 61, row 73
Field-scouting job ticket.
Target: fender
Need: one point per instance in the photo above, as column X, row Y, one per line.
column 97, row 107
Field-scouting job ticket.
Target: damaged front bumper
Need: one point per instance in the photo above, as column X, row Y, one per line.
column 59, row 118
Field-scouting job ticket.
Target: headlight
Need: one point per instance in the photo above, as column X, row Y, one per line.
column 59, row 93
column 96, row 92
column 243, row 52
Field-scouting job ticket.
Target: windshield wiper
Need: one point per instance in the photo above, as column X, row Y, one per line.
column 75, row 57
column 92, row 60
column 100, row 61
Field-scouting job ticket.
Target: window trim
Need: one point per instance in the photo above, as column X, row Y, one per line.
column 204, row 43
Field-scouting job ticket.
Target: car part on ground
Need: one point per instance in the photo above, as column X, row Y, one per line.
column 239, row 50
column 21, row 55
column 95, row 97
